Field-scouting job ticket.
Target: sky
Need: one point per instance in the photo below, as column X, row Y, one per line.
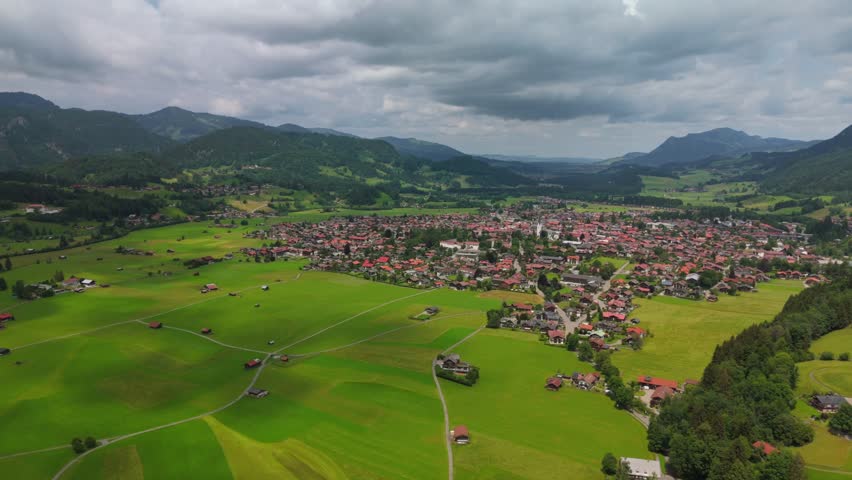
column 595, row 78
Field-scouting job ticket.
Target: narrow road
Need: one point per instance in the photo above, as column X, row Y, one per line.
column 447, row 441
column 256, row 376
column 210, row 339
column 141, row 319
column 605, row 287
column 350, row 318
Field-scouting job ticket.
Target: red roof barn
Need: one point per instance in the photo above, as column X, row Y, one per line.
column 155, row 325
column 253, row 363
column 6, row 316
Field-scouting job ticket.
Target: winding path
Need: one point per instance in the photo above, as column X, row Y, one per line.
column 447, row 441
column 256, row 376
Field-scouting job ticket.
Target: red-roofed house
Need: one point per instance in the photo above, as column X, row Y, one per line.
column 460, row 435
column 765, row 447
column 556, row 337
column 4, row 317
column 653, row 382
column 553, row 384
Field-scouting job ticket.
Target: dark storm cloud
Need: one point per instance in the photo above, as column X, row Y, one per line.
column 630, row 70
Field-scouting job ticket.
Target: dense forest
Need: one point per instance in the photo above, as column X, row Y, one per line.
column 746, row 394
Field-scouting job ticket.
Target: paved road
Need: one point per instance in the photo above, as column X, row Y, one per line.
column 447, row 441
column 606, row 285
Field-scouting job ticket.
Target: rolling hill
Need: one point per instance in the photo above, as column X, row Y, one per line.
column 34, row 132
column 823, row 168
column 183, row 125
column 717, row 142
column 422, row 149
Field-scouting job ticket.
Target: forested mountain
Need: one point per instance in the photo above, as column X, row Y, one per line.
column 183, row 125
column 422, row 149
column 716, row 142
column 35, row 132
column 821, row 169
column 537, row 159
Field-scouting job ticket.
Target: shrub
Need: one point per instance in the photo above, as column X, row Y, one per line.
column 844, row 357
column 826, row 356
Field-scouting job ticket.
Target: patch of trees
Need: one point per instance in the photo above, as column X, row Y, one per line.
column 651, row 201
column 80, row 446
column 826, row 230
column 841, row 422
column 469, row 379
column 620, row 393
column 493, row 317
column 746, row 393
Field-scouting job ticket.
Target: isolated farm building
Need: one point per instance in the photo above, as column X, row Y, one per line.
column 432, row 310
column 653, row 383
column 265, row 288
column 253, row 363
column 86, row 282
column 765, row 447
column 453, row 363
column 257, row 392
column 206, row 331
column 5, row 317
column 585, row 380
column 4, row 351
column 460, row 435
column 211, row 287
column 827, row 403
column 660, row 394
column 155, row 325
column 71, row 282
column 284, row 358
column 556, row 337
column 553, row 384
column 641, row 469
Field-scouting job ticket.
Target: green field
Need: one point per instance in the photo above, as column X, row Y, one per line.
column 685, row 332
column 518, row 428
column 829, row 452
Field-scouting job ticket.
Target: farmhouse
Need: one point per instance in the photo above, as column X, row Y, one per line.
column 252, row 363
column 211, row 287
column 649, row 383
column 453, row 363
column 827, row 403
column 585, row 381
column 460, row 435
column 207, row 331
column 660, row 394
column 556, row 337
column 257, row 392
column 765, row 447
column 4, row 351
column 643, row 469
column 553, row 384
column 5, row 317
column 155, row 325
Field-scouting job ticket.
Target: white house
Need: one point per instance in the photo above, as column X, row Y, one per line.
column 643, row 469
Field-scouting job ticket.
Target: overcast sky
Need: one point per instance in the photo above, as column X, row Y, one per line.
column 561, row 77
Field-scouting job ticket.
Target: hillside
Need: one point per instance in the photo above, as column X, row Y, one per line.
column 422, row 149
column 481, row 172
column 183, row 125
column 23, row 99
column 821, row 169
column 34, row 133
column 716, row 142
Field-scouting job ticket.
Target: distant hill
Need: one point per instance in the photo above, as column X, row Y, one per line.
column 329, row 131
column 481, row 172
column 717, row 142
column 35, row 132
column 422, row 149
column 183, row 125
column 824, row 168
column 537, row 159
column 23, row 99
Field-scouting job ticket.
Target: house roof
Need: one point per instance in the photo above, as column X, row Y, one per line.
column 460, row 431
column 644, row 468
column 554, row 381
column 765, row 447
column 658, row 382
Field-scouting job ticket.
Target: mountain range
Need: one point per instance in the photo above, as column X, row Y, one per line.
column 104, row 146
column 723, row 142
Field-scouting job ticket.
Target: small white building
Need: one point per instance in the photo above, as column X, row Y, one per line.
column 641, row 469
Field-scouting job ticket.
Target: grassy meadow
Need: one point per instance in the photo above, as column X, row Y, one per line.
column 685, row 332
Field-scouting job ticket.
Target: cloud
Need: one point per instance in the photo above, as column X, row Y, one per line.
column 527, row 77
